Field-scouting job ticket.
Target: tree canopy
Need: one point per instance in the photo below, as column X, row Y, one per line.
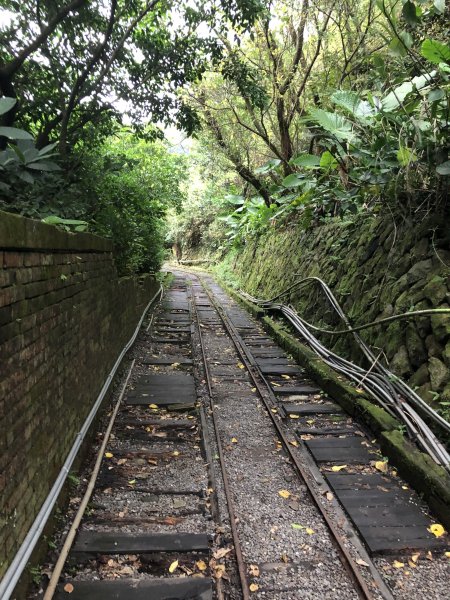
column 306, row 109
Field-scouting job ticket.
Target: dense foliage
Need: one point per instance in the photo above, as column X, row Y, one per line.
column 69, row 73
column 332, row 108
column 302, row 110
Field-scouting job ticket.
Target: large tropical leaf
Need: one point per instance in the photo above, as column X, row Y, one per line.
column 293, row 180
column 435, row 51
column 269, row 166
column 15, row 134
column 334, row 123
column 308, row 161
column 6, row 104
column 351, row 102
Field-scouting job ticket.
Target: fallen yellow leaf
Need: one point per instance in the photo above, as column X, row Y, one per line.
column 360, row 561
column 254, row 570
column 337, row 468
column 285, row 376
column 173, row 566
column 201, row 565
column 219, row 571
column 436, row 529
column 108, row 455
column 153, row 406
column 253, row 587
column 275, row 384
column 381, row 465
column 284, row 493
column 68, row 588
column 294, row 417
column 274, row 410
column 132, row 481
column 240, row 365
column 294, row 443
column 415, row 557
column 176, row 453
column 397, row 564
column 253, row 389
column 309, row 531
column 234, row 440
column 447, row 554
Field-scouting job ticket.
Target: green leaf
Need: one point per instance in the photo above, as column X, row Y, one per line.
column 234, row 199
column 47, row 149
column 435, row 51
column 436, row 95
column 337, row 125
column 44, row 166
column 444, row 168
column 15, row 134
column 351, row 102
column 25, row 176
column 6, row 104
column 409, row 13
column 293, row 180
column 269, row 166
column 327, row 161
column 405, row 156
column 55, row 220
column 308, row 161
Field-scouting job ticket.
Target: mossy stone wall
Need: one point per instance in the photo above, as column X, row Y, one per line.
column 376, row 268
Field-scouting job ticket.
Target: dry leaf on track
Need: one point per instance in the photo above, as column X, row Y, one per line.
column 173, row 566
column 360, row 561
column 284, row 494
column 68, row 588
column 221, row 552
column 436, row 529
column 201, row 565
column 397, row 564
column 253, row 587
column 253, row 570
column 381, row 465
column 109, row 454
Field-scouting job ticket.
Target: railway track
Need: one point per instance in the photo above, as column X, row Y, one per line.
column 188, row 501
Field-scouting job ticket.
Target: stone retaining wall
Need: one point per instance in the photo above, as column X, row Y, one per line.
column 375, row 268
column 64, row 318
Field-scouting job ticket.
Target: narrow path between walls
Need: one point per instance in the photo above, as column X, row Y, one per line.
column 229, row 474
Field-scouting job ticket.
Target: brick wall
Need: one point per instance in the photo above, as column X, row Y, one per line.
column 64, row 318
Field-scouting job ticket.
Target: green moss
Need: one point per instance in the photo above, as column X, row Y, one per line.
column 19, row 232
column 420, row 471
column 417, row 468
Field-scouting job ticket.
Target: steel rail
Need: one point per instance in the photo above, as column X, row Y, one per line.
column 18, row 564
column 226, row 485
column 70, row 537
column 347, row 560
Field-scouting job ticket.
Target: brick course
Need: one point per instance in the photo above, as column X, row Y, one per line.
column 64, row 318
